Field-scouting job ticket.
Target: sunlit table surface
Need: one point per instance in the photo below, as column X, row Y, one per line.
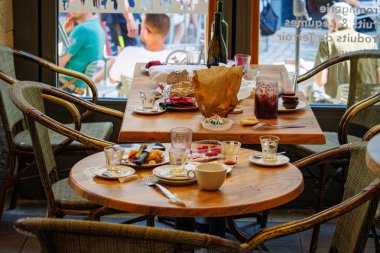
column 156, row 128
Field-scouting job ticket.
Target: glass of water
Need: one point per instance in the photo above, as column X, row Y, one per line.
column 178, row 158
column 269, row 144
column 113, row 154
column 181, row 137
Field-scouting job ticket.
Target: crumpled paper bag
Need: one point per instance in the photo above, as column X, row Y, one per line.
column 216, row 90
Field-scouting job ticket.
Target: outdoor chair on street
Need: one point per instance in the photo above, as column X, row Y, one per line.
column 354, row 218
column 20, row 149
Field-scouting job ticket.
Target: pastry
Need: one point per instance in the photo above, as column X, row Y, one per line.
column 289, row 102
column 249, row 121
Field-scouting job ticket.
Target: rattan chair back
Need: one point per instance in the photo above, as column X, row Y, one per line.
column 362, row 86
column 66, row 236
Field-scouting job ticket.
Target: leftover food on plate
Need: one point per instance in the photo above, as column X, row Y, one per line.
column 206, row 149
column 289, row 102
column 249, row 121
column 217, row 123
column 152, row 63
column 154, row 156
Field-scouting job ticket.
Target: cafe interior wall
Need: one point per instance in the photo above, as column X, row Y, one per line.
column 34, row 26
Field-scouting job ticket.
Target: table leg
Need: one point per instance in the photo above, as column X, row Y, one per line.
column 186, row 224
column 217, row 226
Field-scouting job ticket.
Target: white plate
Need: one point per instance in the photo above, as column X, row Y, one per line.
column 153, row 111
column 176, row 182
column 164, row 172
column 102, row 172
column 301, row 105
column 281, row 160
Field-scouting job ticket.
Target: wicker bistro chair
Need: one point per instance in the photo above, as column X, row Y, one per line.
column 19, row 141
column 355, row 215
column 362, row 115
column 361, row 97
column 62, row 200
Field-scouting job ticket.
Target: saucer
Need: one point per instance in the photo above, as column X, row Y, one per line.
column 153, row 111
column 164, row 172
column 102, row 172
column 301, row 105
column 281, row 160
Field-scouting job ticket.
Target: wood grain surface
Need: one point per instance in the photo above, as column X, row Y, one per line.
column 373, row 155
column 247, row 189
column 156, row 128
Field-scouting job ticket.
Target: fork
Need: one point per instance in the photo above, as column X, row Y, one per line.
column 165, row 191
column 261, row 124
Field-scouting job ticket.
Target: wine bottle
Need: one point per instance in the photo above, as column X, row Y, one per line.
column 219, row 8
column 217, row 51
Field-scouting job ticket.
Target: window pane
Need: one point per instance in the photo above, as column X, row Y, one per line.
column 107, row 44
column 354, row 26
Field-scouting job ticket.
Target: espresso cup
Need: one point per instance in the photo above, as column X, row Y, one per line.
column 210, row 176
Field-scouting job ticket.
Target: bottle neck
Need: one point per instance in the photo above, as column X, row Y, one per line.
column 218, row 24
column 219, row 6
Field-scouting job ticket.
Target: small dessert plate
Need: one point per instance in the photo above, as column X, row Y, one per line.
column 102, row 172
column 301, row 105
column 155, row 110
column 281, row 160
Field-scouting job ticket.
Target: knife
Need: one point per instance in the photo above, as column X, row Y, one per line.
column 144, row 154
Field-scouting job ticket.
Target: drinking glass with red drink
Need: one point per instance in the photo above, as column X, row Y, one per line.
column 266, row 99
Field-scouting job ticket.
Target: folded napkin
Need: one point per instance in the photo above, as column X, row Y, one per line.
column 128, row 178
column 180, row 202
column 182, row 101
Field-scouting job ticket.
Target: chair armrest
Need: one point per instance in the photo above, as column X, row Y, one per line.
column 350, row 114
column 339, row 152
column 316, row 219
column 47, row 89
column 73, row 110
column 370, row 133
column 71, row 133
column 49, row 65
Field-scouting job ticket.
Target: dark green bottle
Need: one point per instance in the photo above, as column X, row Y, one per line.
column 217, row 51
column 219, row 8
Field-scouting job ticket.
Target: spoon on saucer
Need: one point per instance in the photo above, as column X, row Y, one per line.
column 261, row 155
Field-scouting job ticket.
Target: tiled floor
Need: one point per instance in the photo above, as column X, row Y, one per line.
column 12, row 242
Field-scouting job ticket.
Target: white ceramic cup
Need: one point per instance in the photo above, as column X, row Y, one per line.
column 210, row 176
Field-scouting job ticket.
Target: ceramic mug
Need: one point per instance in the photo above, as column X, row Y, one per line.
column 210, row 176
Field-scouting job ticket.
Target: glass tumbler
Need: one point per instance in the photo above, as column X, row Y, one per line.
column 266, row 99
column 289, row 83
column 230, row 151
column 269, row 144
column 181, row 137
column 113, row 154
column 243, row 60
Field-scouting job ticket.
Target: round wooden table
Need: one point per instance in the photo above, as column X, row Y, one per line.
column 249, row 188
column 373, row 155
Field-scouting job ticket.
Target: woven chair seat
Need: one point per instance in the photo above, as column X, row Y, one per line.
column 331, row 142
column 100, row 130
column 66, row 198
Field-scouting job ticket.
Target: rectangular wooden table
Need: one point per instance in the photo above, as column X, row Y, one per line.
column 156, row 128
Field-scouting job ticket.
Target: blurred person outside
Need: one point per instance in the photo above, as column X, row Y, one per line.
column 154, row 29
column 87, row 43
column 342, row 38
